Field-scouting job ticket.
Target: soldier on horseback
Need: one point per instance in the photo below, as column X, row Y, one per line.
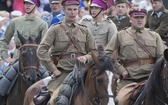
column 138, row 49
column 28, row 25
column 66, row 41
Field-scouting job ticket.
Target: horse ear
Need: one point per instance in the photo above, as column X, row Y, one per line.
column 38, row 39
column 95, row 59
column 166, row 54
column 22, row 39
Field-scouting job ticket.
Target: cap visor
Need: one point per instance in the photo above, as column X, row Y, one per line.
column 95, row 5
column 55, row 2
column 29, row 1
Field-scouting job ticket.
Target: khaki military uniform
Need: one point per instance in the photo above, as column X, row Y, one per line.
column 28, row 27
column 57, row 39
column 121, row 22
column 102, row 31
column 130, row 51
column 158, row 22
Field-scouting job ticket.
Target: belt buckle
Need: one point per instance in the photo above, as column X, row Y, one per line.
column 73, row 56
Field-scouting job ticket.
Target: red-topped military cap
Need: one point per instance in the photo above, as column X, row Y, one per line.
column 55, row 1
column 70, row 2
column 99, row 3
column 35, row 2
column 120, row 1
column 136, row 11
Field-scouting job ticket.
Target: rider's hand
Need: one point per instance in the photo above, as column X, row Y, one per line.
column 82, row 59
column 9, row 60
column 125, row 74
column 56, row 73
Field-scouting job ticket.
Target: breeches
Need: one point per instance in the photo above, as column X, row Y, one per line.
column 124, row 94
column 56, row 82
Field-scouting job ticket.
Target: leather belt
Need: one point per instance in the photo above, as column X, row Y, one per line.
column 138, row 62
column 67, row 56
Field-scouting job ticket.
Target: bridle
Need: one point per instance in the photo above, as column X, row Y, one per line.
column 21, row 60
column 97, row 97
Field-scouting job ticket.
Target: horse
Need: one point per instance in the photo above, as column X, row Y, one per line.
column 97, row 85
column 155, row 91
column 28, row 72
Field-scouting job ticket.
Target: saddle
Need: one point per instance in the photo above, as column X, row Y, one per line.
column 136, row 92
column 42, row 96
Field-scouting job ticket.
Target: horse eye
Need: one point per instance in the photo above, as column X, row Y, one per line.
column 100, row 80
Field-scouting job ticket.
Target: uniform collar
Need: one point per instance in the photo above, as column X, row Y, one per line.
column 121, row 17
column 159, row 13
column 136, row 30
column 96, row 23
column 29, row 18
column 55, row 14
column 70, row 22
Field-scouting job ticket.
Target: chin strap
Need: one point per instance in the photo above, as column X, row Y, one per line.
column 97, row 14
column 31, row 10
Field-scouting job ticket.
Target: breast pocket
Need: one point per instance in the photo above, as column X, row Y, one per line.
column 61, row 42
column 103, row 32
column 82, row 42
column 128, row 48
column 151, row 46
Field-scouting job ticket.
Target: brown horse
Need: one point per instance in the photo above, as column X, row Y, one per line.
column 28, row 70
column 98, row 83
column 155, row 91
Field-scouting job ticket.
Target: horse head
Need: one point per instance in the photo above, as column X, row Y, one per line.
column 155, row 91
column 28, row 61
column 101, row 80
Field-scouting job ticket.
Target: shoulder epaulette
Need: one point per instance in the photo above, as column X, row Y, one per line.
column 82, row 25
column 108, row 20
column 56, row 23
column 124, row 28
column 86, row 19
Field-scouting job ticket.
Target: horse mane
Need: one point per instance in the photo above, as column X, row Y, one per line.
column 153, row 86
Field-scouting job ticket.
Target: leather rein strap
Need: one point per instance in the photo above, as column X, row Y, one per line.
column 139, row 43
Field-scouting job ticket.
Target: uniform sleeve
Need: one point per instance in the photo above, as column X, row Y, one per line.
column 110, row 48
column 162, row 29
column 44, row 28
column 43, row 49
column 112, row 45
column 112, row 31
column 90, row 45
column 160, row 47
column 4, row 41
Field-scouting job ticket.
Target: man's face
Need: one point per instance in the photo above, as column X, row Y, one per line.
column 95, row 10
column 157, row 5
column 29, row 7
column 138, row 22
column 121, row 9
column 71, row 11
column 55, row 7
